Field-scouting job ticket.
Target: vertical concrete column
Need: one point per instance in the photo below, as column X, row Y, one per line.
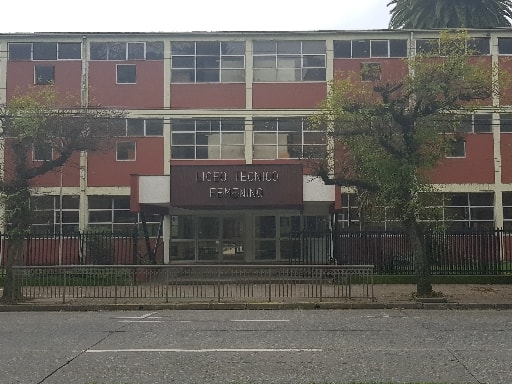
column 496, row 134
column 248, row 101
column 166, row 227
column 84, row 94
column 3, row 101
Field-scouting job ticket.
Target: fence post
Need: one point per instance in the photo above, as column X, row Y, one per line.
column 269, row 285
column 64, row 287
column 321, row 283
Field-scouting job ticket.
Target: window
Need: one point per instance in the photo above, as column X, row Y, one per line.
column 111, row 213
column 69, row 51
column 290, row 60
column 468, row 210
column 474, row 46
column 265, row 238
column 42, row 153
column 479, row 46
column 139, row 127
column 48, row 216
column 506, row 122
column 287, row 137
column 125, row 151
column 208, row 138
column 427, row 46
column 44, row 74
column 208, row 62
column 370, row 48
column 457, row 211
column 127, row 50
column 370, row 71
column 457, row 148
column 126, row 74
column 507, row 210
column 45, row 51
column 477, row 123
column 505, row 45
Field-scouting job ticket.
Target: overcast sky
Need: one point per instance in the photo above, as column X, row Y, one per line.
column 191, row 15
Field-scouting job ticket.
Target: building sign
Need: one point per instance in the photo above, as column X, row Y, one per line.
column 236, row 186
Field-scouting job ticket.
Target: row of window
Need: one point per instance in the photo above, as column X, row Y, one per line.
column 231, row 54
column 273, row 138
column 60, row 214
column 455, row 210
column 98, row 51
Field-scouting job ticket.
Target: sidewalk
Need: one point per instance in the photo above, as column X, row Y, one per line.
column 453, row 296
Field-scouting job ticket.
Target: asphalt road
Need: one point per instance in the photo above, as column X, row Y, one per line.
column 322, row 346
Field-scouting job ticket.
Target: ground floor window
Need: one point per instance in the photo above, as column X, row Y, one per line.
column 55, row 214
column 455, row 210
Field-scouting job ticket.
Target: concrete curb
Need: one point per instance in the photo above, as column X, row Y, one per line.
column 25, row 307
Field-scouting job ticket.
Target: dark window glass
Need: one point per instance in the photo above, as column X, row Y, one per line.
column 44, row 74
column 481, row 199
column 342, row 49
column 506, row 122
column 154, row 127
column 207, row 48
column 207, row 76
column 126, row 74
column 232, row 48
column 136, row 51
column 457, row 148
column 42, row 153
column 370, row 71
column 20, row 51
column 313, row 47
column 505, row 45
column 360, row 48
column 70, row 51
column 44, row 51
column 379, row 48
column 183, row 62
column 135, row 127
column 155, row 50
column 261, row 47
column 479, row 46
column 183, row 48
column 117, row 51
column 99, row 51
column 398, row 48
column 507, row 200
column 483, row 123
column 427, row 46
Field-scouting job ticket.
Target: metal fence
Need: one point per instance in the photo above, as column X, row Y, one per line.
column 84, row 249
column 484, row 252
column 171, row 283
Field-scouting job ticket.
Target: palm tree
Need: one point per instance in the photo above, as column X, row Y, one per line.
column 434, row 14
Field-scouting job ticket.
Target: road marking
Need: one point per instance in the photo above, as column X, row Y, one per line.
column 140, row 321
column 137, row 317
column 207, row 350
column 259, row 321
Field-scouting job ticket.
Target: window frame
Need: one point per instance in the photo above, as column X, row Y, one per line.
column 44, row 78
column 200, row 62
column 279, row 61
column 126, row 154
column 129, row 81
column 191, row 133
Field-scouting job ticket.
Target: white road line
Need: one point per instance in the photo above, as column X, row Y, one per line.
column 140, row 321
column 260, row 321
column 137, row 317
column 208, row 350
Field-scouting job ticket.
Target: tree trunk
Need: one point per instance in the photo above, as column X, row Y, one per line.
column 12, row 290
column 421, row 259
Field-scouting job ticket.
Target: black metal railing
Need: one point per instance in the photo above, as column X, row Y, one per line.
column 482, row 252
column 83, row 248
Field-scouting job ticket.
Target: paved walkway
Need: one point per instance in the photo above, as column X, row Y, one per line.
column 452, row 296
